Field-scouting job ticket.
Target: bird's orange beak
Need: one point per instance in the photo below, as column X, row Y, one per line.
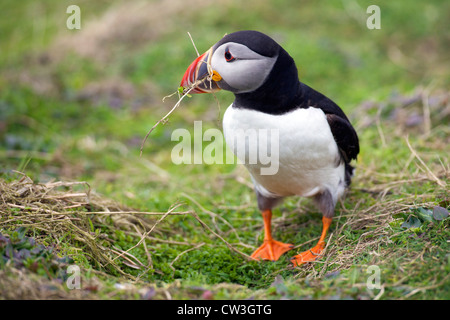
column 200, row 77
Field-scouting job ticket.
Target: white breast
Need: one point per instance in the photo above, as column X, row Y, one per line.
column 307, row 156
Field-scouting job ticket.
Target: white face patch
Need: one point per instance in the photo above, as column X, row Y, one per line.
column 246, row 72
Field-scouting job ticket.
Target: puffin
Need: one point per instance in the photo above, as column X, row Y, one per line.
column 315, row 141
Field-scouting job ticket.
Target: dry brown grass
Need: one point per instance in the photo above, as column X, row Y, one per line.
column 56, row 209
column 390, row 200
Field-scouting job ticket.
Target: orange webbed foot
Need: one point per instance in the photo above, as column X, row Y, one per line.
column 314, row 253
column 271, row 250
column 309, row 255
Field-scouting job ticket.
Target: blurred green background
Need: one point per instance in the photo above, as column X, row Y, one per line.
column 106, row 81
column 76, row 104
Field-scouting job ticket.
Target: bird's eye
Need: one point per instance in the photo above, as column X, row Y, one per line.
column 228, row 56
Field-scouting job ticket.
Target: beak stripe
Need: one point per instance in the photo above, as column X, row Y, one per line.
column 199, row 73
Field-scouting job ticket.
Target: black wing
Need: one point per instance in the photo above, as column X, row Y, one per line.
column 343, row 132
column 345, row 136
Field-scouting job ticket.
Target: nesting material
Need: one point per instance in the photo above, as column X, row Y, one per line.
column 70, row 209
column 183, row 92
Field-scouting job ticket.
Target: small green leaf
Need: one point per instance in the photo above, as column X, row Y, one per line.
column 440, row 213
column 181, row 91
column 424, row 214
column 91, row 225
column 411, row 222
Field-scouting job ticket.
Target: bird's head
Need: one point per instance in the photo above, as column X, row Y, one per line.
column 241, row 62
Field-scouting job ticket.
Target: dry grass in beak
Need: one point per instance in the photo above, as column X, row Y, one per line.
column 182, row 93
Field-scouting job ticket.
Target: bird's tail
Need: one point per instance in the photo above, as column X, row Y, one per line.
column 349, row 171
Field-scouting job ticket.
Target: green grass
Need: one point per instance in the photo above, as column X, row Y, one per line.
column 70, row 116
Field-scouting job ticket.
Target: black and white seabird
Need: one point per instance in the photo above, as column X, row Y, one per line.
column 316, row 140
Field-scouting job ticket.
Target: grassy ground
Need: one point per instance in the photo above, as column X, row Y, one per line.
column 76, row 104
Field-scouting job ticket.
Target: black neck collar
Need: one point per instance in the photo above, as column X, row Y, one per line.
column 279, row 94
